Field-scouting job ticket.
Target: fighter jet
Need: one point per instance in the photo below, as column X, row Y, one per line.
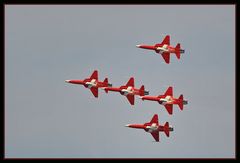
column 128, row 90
column 164, row 49
column 153, row 127
column 92, row 83
column 167, row 100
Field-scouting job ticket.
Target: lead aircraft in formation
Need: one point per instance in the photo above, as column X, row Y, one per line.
column 92, row 83
column 164, row 48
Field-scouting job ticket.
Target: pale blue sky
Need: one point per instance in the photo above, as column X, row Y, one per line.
column 48, row 118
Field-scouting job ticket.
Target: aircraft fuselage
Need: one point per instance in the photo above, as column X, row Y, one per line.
column 89, row 83
column 149, row 127
column 160, row 48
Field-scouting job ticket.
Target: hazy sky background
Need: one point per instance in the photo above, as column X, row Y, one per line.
column 48, row 118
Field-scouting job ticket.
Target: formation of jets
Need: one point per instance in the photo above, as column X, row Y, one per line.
column 130, row 91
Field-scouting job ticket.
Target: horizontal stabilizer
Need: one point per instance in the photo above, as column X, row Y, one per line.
column 166, row 129
column 180, row 103
column 106, row 90
column 177, row 51
column 142, row 91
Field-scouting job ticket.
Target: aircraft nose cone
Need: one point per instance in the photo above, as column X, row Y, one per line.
column 138, row 46
column 67, row 81
column 127, row 125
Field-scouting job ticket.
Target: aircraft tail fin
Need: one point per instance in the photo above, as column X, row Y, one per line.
column 106, row 80
column 177, row 51
column 166, row 129
column 107, row 83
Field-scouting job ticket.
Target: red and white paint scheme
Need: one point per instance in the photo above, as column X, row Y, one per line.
column 153, row 127
column 128, row 90
column 92, row 83
column 164, row 49
column 167, row 100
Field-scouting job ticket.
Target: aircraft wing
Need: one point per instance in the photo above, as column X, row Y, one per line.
column 94, row 91
column 131, row 99
column 130, row 82
column 154, row 119
column 155, row 135
column 169, row 92
column 166, row 40
column 169, row 108
column 166, row 57
column 94, row 75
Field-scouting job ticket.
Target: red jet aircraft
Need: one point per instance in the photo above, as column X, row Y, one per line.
column 153, row 127
column 167, row 100
column 128, row 90
column 164, row 49
column 92, row 83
